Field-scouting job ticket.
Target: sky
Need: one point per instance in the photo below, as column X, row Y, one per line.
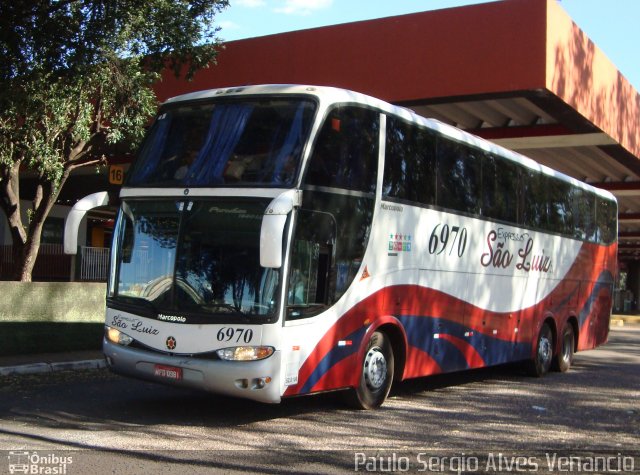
column 613, row 25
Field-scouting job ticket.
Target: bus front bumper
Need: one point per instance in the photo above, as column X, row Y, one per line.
column 256, row 380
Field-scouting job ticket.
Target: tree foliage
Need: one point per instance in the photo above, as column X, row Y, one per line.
column 76, row 78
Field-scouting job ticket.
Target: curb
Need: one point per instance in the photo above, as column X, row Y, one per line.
column 37, row 368
column 622, row 320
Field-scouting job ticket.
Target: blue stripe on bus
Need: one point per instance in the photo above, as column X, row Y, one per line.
column 565, row 301
column 605, row 280
column 420, row 333
column 337, row 354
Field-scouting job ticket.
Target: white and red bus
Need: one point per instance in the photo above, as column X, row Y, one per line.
column 274, row 241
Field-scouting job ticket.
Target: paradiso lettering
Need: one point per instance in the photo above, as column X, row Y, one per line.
column 523, row 259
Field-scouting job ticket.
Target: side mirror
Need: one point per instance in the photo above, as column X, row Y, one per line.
column 273, row 224
column 72, row 222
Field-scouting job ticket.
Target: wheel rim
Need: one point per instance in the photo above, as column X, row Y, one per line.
column 375, row 369
column 544, row 350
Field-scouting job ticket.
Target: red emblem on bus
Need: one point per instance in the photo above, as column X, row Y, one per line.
column 171, row 343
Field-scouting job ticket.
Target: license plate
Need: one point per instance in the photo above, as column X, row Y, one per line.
column 168, row 372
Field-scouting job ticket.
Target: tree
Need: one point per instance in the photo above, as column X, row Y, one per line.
column 76, row 78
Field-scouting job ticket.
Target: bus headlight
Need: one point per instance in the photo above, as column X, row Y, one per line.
column 245, row 353
column 116, row 336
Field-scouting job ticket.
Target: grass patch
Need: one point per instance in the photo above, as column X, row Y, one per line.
column 21, row 338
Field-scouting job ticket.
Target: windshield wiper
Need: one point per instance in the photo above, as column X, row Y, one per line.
column 227, row 309
column 137, row 301
column 225, row 306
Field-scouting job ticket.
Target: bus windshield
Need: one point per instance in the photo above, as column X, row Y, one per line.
column 198, row 258
column 240, row 142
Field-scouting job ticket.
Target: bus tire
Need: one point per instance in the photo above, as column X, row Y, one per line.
column 376, row 374
column 541, row 362
column 563, row 360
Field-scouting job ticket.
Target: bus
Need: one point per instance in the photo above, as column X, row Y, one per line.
column 281, row 240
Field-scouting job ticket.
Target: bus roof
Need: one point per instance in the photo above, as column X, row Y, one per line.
column 330, row 95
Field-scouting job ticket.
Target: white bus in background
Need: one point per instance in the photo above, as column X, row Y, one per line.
column 275, row 241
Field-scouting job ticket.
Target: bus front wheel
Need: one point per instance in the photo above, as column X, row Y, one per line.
column 541, row 362
column 376, row 374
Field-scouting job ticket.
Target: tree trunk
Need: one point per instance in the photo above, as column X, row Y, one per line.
column 10, row 204
column 29, row 253
column 26, row 239
column 25, row 265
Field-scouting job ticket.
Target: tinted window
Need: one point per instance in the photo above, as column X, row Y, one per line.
column 346, row 151
column 458, row 168
column 583, row 210
column 500, row 188
column 426, row 168
column 228, row 143
column 410, row 163
column 607, row 220
column 534, row 199
column 560, row 213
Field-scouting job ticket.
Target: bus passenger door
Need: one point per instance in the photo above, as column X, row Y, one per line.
column 311, row 270
column 310, row 284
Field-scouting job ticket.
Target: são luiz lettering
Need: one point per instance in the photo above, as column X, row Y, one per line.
column 499, row 257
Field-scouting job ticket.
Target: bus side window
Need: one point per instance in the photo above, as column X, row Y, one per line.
column 501, row 188
column 607, row 215
column 560, row 213
column 311, row 277
column 583, row 208
column 534, row 199
column 410, row 163
column 458, row 185
column 346, row 151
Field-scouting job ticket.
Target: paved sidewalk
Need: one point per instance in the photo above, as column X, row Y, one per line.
column 79, row 360
column 50, row 362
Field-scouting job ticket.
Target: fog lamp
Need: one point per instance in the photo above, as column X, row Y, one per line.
column 245, row 353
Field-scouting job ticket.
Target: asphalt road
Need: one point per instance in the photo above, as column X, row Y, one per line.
column 95, row 422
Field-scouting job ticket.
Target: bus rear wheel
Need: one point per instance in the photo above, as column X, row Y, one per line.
column 376, row 374
column 564, row 359
column 541, row 362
